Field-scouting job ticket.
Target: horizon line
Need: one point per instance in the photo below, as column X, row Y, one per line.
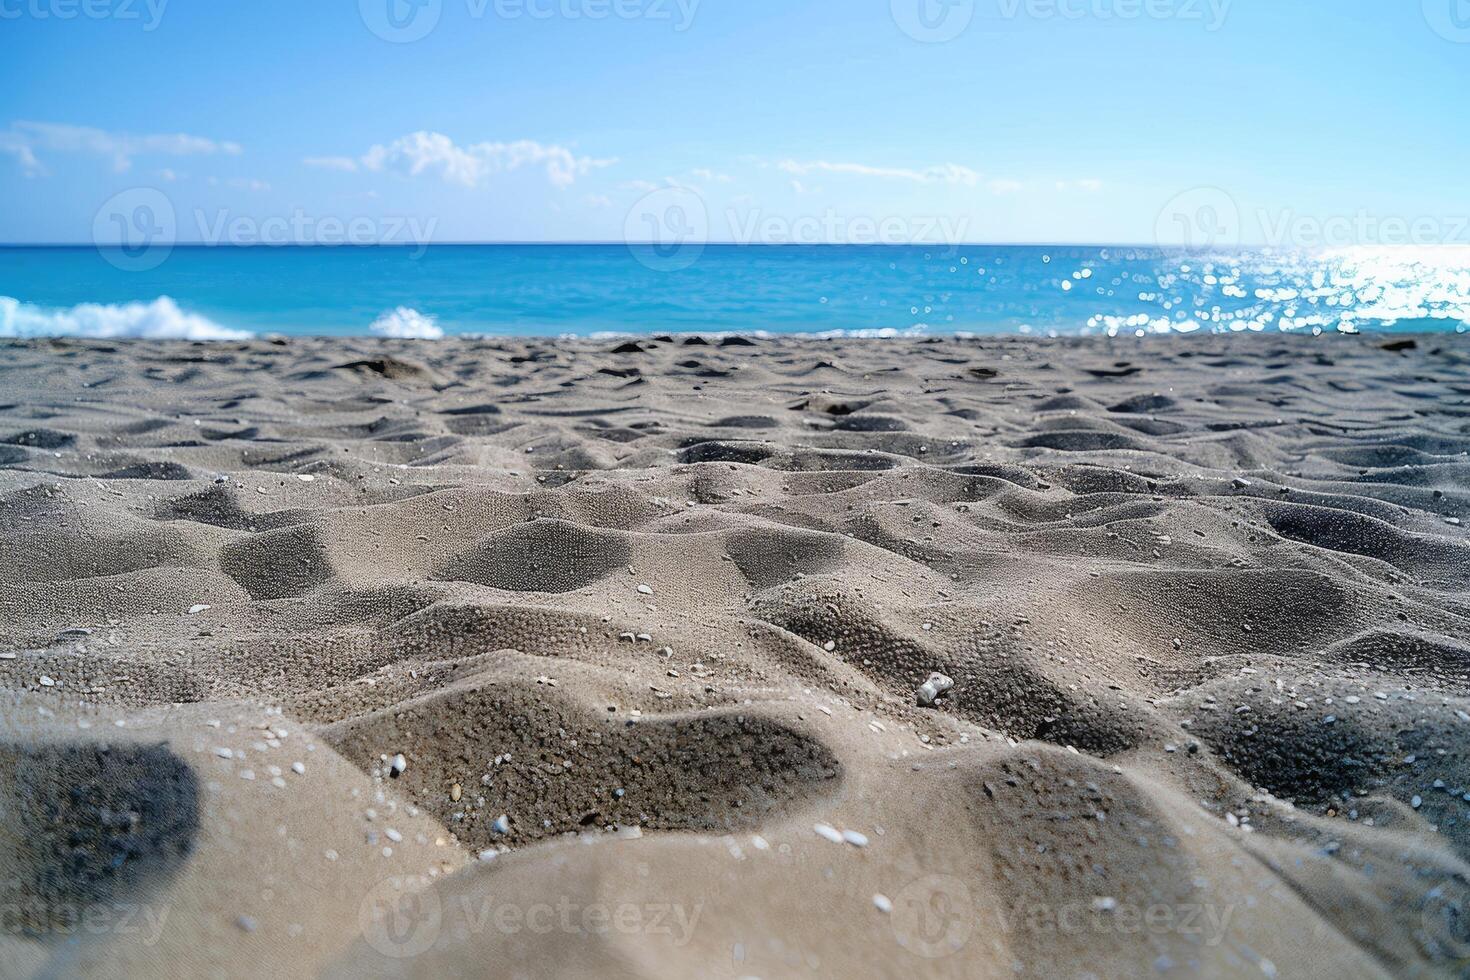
column 714, row 244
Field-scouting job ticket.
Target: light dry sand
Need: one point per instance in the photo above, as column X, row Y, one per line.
column 665, row 608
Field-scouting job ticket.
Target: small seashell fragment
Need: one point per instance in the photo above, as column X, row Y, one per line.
column 935, row 687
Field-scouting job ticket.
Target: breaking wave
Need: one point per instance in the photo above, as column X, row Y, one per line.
column 159, row 320
column 406, row 324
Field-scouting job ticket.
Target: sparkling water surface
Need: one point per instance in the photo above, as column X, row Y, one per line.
column 591, row 289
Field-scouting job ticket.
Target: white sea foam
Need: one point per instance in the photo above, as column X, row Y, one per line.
column 159, row 320
column 873, row 333
column 405, row 323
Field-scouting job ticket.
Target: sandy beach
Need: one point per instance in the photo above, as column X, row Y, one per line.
column 771, row 658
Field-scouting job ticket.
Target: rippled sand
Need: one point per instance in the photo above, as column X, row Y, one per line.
column 646, row 623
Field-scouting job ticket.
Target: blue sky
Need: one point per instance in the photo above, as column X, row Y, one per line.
column 516, row 120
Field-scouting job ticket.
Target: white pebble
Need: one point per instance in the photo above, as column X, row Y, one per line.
column 932, row 689
column 882, row 903
column 829, row 832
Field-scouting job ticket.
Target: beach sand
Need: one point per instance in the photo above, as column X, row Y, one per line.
column 647, row 622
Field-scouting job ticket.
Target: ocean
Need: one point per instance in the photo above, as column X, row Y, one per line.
column 207, row 292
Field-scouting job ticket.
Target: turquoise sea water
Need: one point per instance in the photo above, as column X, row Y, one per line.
column 590, row 289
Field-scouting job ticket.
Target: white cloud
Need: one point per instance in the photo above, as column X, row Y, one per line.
column 11, row 143
column 332, row 163
column 1087, row 184
column 705, row 174
column 434, row 153
column 23, row 139
column 949, row 173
